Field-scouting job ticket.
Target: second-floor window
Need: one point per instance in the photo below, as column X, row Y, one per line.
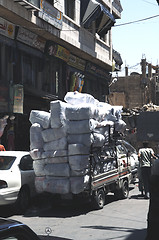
column 70, row 8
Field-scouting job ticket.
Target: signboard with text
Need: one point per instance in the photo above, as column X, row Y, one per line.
column 31, row 39
column 50, row 14
column 58, row 51
column 7, row 28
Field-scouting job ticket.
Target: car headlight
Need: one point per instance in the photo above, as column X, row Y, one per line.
column 3, row 184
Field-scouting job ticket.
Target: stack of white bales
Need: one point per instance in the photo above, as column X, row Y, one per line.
column 61, row 140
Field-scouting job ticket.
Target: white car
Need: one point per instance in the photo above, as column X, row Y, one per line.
column 17, row 179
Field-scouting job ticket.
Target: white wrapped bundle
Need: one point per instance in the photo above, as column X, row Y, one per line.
column 104, row 110
column 52, row 134
column 58, row 117
column 54, row 153
column 41, row 117
column 98, row 140
column 63, row 159
column 36, row 140
column 56, row 145
column 57, row 185
column 36, row 154
column 78, row 184
column 39, row 184
column 85, row 139
column 120, row 126
column 38, row 167
column 82, row 126
column 81, row 112
column 57, row 169
column 78, row 162
column 77, row 149
column 76, row 98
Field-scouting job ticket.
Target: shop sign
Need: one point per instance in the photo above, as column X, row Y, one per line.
column 31, row 39
column 58, row 51
column 50, row 14
column 18, row 98
column 76, row 62
column 91, row 68
column 7, row 28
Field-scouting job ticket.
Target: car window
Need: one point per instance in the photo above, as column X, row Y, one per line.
column 6, row 162
column 26, row 163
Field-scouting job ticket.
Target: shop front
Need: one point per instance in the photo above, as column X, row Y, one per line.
column 75, row 73
column 96, row 81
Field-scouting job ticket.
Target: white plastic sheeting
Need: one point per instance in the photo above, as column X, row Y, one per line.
column 61, row 141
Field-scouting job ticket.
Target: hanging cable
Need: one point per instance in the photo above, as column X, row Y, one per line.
column 140, row 20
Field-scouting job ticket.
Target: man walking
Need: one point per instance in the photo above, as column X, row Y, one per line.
column 146, row 155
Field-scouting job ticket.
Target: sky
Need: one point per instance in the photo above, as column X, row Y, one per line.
column 137, row 40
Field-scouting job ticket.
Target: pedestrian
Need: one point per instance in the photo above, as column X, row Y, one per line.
column 146, row 155
column 2, row 148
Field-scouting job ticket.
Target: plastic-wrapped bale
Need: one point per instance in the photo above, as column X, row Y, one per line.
column 56, row 185
column 57, row 169
column 85, row 139
column 78, row 149
column 104, row 111
column 56, row 145
column 98, row 140
column 120, row 126
column 38, row 166
column 78, row 184
column 41, row 117
column 36, row 140
column 36, row 154
column 52, row 134
column 58, row 118
column 79, row 164
column 54, row 153
column 76, row 98
column 39, row 184
column 63, row 159
column 81, row 126
column 81, row 112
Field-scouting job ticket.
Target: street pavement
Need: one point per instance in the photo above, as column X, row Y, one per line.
column 119, row 220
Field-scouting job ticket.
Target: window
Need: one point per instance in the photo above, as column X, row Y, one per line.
column 70, row 8
column 26, row 163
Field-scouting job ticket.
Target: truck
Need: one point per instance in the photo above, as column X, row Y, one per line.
column 78, row 152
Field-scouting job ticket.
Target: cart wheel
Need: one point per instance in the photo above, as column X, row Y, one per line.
column 99, row 199
column 124, row 191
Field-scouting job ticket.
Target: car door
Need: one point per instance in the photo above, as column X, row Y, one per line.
column 122, row 158
column 27, row 172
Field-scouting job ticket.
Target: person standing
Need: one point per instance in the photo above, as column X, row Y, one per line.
column 146, row 155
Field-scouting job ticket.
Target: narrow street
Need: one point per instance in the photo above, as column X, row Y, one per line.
column 119, row 220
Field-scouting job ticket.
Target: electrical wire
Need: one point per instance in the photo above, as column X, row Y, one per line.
column 140, row 20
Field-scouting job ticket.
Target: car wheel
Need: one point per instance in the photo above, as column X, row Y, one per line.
column 123, row 192
column 23, row 200
column 99, row 199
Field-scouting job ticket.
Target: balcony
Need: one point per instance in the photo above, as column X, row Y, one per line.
column 31, row 5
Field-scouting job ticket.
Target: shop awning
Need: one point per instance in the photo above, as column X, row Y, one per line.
column 95, row 11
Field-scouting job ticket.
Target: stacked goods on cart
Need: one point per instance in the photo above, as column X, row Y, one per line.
column 62, row 139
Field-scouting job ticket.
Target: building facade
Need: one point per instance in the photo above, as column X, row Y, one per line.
column 48, row 48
